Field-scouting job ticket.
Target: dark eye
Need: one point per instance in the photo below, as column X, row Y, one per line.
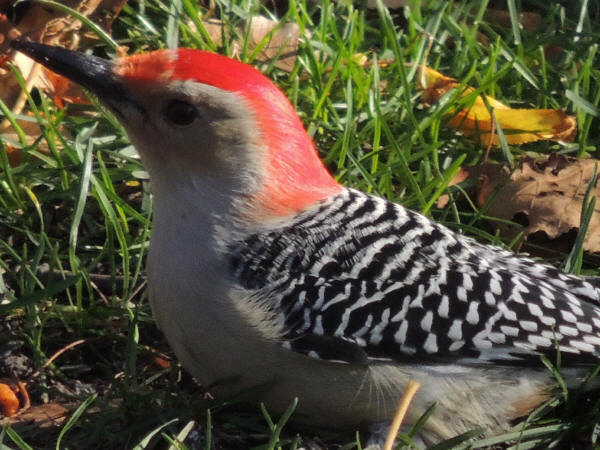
column 180, row 112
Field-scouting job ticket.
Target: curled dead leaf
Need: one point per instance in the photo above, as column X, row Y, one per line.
column 282, row 43
column 50, row 27
column 530, row 21
column 543, row 194
column 32, row 132
column 281, row 39
column 15, row 158
column 519, row 125
column 43, row 416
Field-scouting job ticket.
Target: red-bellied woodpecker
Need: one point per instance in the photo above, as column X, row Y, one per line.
column 264, row 269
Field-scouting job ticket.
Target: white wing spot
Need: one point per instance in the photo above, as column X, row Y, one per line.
column 568, row 316
column 554, row 336
column 427, row 321
column 430, row 345
column 495, row 286
column 509, row 314
column 467, row 282
column 568, row 331
column 535, row 309
column 539, row 341
column 509, row 331
column 585, row 327
column 549, row 321
column 455, row 331
column 472, row 314
column 489, row 298
column 547, row 302
column 576, row 309
column 318, row 326
column 583, row 346
column 498, row 338
column 443, row 309
column 529, row 325
column 400, row 335
column 400, row 315
column 456, row 345
column 594, row 340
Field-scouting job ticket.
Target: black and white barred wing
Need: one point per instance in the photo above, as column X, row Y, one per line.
column 361, row 279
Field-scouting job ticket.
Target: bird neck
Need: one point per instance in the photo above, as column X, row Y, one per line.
column 294, row 177
column 293, row 185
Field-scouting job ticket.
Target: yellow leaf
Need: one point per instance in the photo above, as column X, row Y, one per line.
column 519, row 125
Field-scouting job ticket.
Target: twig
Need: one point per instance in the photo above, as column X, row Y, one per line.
column 26, row 400
column 492, row 134
column 411, row 389
column 66, row 348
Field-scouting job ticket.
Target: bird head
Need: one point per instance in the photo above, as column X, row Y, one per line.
column 204, row 122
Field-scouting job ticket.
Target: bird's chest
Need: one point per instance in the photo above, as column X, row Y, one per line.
column 198, row 306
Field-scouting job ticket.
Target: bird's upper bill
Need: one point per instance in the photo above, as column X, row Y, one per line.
column 295, row 179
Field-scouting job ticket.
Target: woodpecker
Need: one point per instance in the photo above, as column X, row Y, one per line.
column 263, row 270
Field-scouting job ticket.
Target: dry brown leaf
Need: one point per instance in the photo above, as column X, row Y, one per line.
column 106, row 14
column 49, row 27
column 282, row 43
column 15, row 158
column 530, row 21
column 52, row 28
column 519, row 125
column 63, row 90
column 545, row 194
column 460, row 176
column 9, row 88
column 32, row 133
column 46, row 415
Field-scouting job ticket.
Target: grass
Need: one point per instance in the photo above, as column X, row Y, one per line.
column 75, row 214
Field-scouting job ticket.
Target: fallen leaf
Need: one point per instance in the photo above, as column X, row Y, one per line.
column 9, row 88
column 106, row 14
column 460, row 176
column 15, row 158
column 530, row 21
column 53, row 28
column 32, row 132
column 46, row 415
column 543, row 194
column 519, row 125
column 63, row 90
column 161, row 362
column 9, row 402
column 281, row 44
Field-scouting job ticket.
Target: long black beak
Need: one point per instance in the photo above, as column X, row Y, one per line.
column 91, row 72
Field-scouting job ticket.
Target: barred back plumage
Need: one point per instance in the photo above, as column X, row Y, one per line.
column 359, row 279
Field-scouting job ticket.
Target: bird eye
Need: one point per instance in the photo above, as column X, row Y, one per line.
column 180, row 112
